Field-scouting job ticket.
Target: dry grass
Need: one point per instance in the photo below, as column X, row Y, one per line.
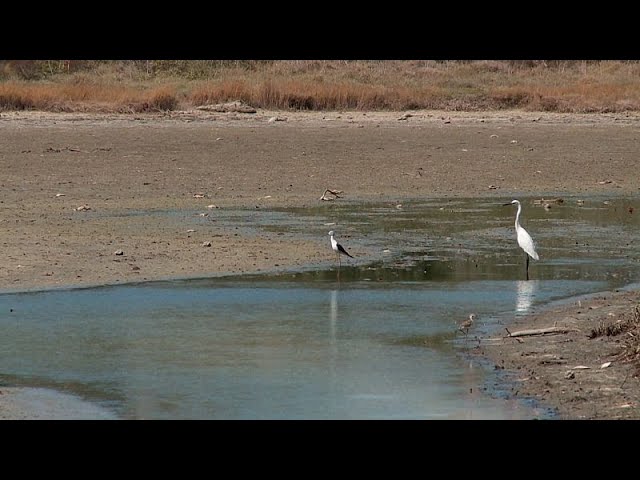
column 149, row 85
column 629, row 327
column 631, row 351
column 84, row 97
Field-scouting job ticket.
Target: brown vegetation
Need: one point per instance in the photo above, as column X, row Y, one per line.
column 162, row 85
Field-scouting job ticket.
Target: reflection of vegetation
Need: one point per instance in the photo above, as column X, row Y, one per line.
column 377, row 272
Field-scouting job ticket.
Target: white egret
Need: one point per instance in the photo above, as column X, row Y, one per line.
column 524, row 239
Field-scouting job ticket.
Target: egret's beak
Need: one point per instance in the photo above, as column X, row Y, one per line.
column 506, row 204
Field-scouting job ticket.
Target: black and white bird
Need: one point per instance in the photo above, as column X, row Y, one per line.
column 336, row 247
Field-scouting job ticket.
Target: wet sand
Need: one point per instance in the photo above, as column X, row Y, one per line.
column 77, row 188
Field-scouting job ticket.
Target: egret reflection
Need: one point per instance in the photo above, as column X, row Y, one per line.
column 525, row 295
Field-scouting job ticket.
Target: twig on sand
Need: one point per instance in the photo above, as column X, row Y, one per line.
column 625, row 377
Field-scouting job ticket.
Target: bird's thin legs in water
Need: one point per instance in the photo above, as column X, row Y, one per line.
column 527, row 268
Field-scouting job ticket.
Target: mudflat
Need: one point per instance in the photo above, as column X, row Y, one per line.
column 77, row 189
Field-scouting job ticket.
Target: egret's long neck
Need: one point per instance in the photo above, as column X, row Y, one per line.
column 518, row 216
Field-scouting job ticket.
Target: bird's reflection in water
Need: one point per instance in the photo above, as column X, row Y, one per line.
column 333, row 317
column 333, row 347
column 525, row 295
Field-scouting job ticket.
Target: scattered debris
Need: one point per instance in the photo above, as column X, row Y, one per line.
column 604, row 182
column 118, row 252
column 542, row 201
column 493, row 187
column 605, row 365
column 199, row 195
column 60, row 194
column 546, row 203
column 569, row 375
column 405, row 116
column 83, row 208
column 212, row 206
column 58, row 150
column 206, row 244
column 277, row 119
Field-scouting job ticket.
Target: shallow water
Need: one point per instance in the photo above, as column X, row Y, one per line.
column 379, row 342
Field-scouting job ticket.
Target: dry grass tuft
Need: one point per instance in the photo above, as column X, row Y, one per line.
column 629, row 326
column 631, row 350
column 625, row 324
column 159, row 99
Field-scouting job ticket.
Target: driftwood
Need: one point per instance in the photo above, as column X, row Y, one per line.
column 539, row 331
column 236, row 106
column 335, row 193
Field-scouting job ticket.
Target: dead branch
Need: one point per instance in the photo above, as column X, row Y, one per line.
column 540, row 331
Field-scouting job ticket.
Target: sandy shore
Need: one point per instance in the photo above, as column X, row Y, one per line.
column 20, row 403
column 77, row 188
